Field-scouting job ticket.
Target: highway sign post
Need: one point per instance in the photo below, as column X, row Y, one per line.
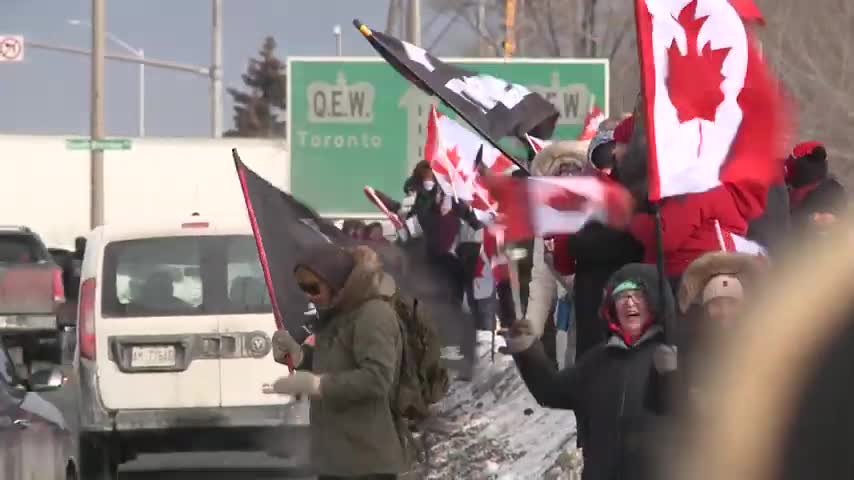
column 11, row 48
column 106, row 144
column 354, row 121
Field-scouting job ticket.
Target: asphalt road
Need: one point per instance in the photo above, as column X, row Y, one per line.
column 183, row 466
column 209, row 466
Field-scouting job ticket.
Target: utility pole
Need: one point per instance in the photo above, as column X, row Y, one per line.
column 414, row 22
column 216, row 70
column 509, row 28
column 96, row 129
column 130, row 48
column 481, row 28
column 392, row 24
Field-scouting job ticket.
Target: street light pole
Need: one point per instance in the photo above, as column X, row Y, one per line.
column 134, row 59
column 216, row 69
column 137, row 52
column 339, row 48
column 96, row 172
column 141, row 95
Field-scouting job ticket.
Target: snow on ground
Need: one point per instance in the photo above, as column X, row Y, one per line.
column 492, row 428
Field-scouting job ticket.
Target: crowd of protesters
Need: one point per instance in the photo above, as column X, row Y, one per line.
column 632, row 338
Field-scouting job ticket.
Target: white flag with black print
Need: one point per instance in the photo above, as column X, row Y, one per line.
column 494, row 107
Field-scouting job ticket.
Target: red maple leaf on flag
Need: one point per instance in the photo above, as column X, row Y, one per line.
column 559, row 198
column 453, row 156
column 501, row 165
column 566, row 201
column 694, row 79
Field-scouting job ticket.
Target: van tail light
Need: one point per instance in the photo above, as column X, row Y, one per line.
column 58, row 288
column 86, row 319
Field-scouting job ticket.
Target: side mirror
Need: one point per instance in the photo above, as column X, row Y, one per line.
column 47, row 380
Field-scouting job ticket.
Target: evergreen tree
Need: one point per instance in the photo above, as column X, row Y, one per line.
column 257, row 109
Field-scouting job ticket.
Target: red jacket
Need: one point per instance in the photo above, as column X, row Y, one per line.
column 688, row 226
column 562, row 259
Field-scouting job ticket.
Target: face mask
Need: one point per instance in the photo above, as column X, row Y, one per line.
column 428, row 185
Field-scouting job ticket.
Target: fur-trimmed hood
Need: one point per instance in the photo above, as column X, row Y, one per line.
column 745, row 267
column 549, row 160
column 366, row 281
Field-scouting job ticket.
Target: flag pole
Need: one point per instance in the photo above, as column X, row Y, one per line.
column 262, row 253
column 514, row 254
column 662, row 279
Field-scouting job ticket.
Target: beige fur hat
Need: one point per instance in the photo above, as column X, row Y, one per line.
column 718, row 266
column 722, row 286
column 548, row 161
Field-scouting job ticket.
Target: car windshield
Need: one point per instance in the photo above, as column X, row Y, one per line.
column 183, row 276
column 20, row 248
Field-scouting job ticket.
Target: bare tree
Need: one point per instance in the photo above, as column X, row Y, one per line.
column 810, row 46
column 563, row 29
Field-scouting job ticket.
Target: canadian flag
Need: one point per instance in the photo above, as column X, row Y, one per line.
column 541, row 206
column 713, row 111
column 537, row 144
column 731, row 242
column 377, row 200
column 491, row 267
column 595, row 117
column 454, row 153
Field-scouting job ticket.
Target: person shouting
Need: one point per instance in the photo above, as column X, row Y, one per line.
column 614, row 388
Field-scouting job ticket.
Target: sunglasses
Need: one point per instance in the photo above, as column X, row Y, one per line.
column 312, row 289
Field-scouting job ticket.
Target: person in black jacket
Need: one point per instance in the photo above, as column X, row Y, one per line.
column 614, row 387
column 816, row 198
column 599, row 251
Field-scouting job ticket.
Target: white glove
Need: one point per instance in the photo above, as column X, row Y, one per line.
column 521, row 336
column 300, row 382
column 665, row 358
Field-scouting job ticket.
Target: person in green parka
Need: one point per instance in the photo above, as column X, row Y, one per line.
column 351, row 373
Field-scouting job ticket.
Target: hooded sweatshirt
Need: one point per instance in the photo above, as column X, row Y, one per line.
column 614, row 389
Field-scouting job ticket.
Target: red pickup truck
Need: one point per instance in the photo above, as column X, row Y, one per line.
column 31, row 283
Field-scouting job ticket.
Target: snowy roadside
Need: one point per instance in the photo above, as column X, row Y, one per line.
column 494, row 429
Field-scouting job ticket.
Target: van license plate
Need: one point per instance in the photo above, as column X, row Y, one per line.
column 142, row 357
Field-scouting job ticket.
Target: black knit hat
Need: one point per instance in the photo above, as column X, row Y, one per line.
column 329, row 262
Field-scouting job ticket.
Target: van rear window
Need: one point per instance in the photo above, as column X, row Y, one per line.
column 183, row 276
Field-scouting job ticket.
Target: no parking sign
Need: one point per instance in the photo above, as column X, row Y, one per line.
column 11, row 48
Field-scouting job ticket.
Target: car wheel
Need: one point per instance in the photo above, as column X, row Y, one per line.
column 97, row 460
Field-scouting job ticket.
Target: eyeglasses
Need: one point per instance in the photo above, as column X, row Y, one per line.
column 634, row 295
column 312, row 289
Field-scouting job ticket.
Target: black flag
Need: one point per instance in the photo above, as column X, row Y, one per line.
column 284, row 227
column 492, row 106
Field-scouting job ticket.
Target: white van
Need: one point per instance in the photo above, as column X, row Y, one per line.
column 174, row 346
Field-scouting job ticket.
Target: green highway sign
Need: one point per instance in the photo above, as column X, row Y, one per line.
column 105, row 144
column 354, row 121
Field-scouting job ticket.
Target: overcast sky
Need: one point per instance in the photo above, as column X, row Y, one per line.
column 48, row 93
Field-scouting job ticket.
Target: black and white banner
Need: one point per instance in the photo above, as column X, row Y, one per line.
column 494, row 107
column 284, row 227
